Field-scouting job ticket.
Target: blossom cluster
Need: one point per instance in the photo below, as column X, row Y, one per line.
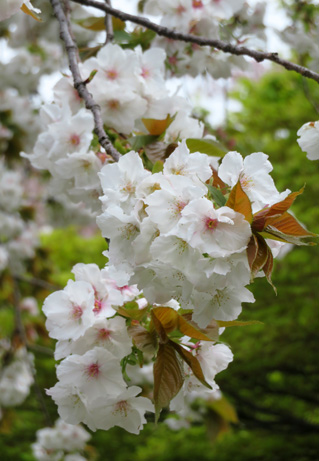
column 207, row 18
column 63, row 442
column 171, row 236
column 91, row 388
column 130, row 88
column 94, row 339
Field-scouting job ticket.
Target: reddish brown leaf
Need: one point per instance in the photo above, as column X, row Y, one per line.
column 268, row 267
column 167, row 316
column 135, row 314
column 252, row 249
column 238, row 200
column 261, row 256
column 259, row 220
column 172, row 320
column 160, row 330
column 218, row 183
column 188, row 327
column 287, row 224
column 192, row 362
column 168, row 376
column 143, row 339
column 211, row 331
column 279, row 208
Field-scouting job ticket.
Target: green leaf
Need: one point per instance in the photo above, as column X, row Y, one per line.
column 206, row 146
column 122, row 37
column 168, row 377
column 91, row 76
column 140, row 141
column 217, row 195
column 158, row 167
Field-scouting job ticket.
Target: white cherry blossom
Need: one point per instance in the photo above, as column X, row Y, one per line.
column 70, row 312
column 309, row 139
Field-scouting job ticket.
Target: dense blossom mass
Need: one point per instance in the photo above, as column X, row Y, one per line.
column 188, row 224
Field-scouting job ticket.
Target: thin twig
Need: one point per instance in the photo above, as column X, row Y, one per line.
column 38, row 283
column 79, row 84
column 259, row 56
column 108, row 25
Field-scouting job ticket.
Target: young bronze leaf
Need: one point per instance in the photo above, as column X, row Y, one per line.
column 143, row 339
column 132, row 313
column 275, row 234
column 172, row 320
column 160, row 330
column 157, row 127
column 168, row 376
column 211, row 331
column 218, row 183
column 288, row 225
column 261, row 255
column 279, row 208
column 252, row 249
column 238, row 200
column 191, row 329
column 268, row 267
column 192, row 362
column 168, row 318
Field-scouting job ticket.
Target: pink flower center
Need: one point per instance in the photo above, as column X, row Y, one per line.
column 75, row 139
column 211, row 224
column 180, row 9
column 246, row 182
column 179, row 206
column 112, row 74
column 124, row 288
column 172, row 60
column 77, row 312
column 145, row 72
column 113, row 104
column 197, row 4
column 122, row 407
column 103, row 334
column 93, row 370
column 97, row 306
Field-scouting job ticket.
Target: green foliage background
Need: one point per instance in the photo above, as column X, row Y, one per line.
column 273, row 382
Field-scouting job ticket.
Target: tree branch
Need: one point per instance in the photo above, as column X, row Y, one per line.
column 79, row 84
column 108, row 25
column 259, row 56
